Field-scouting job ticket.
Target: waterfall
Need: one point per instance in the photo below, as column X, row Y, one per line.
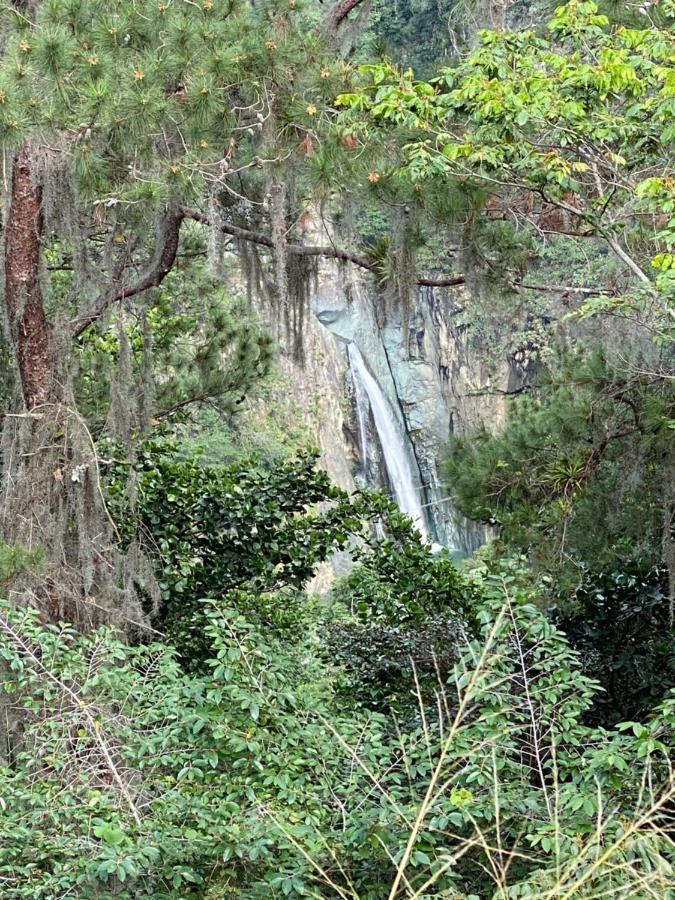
column 391, row 436
column 361, row 398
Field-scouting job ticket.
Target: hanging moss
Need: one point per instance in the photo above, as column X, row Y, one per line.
column 216, row 243
column 277, row 205
column 283, row 281
column 122, row 419
column 53, row 502
column 52, row 499
column 302, row 279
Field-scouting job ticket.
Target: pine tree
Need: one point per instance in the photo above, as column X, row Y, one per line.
column 114, row 116
column 127, row 128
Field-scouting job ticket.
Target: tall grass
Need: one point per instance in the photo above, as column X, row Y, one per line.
column 540, row 805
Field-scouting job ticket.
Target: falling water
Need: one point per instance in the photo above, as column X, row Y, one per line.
column 361, row 398
column 391, row 437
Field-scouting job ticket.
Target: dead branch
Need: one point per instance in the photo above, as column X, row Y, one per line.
column 155, row 272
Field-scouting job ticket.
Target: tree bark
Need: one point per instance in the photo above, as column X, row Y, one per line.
column 28, row 325
column 339, row 12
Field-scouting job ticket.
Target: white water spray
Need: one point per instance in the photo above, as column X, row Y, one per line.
column 362, row 405
column 391, row 437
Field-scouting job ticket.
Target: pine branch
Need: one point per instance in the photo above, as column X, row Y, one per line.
column 327, row 252
column 498, row 392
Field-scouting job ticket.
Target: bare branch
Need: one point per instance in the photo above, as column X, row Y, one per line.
column 255, row 237
column 447, row 281
column 327, row 252
column 155, row 272
column 565, row 289
column 166, row 253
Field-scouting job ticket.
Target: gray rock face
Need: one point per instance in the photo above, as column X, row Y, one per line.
column 432, row 375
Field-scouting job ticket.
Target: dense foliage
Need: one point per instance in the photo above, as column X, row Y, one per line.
column 580, row 474
column 397, row 620
column 568, row 130
column 181, row 716
column 139, row 780
column 621, row 625
column 237, row 532
column 578, row 122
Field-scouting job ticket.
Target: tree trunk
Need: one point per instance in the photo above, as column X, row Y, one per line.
column 28, row 325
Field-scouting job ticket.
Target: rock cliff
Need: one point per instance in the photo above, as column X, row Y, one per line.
column 433, row 375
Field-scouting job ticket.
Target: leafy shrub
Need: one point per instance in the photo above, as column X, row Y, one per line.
column 402, row 614
column 136, row 779
column 398, row 580
column 621, row 626
column 382, row 663
column 575, row 477
column 505, row 792
column 245, row 530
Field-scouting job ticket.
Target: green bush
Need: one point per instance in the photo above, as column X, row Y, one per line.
column 402, row 613
column 575, row 478
column 621, row 625
column 136, row 779
column 243, row 531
